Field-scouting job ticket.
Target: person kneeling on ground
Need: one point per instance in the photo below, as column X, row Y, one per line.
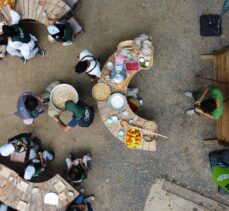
column 83, row 115
column 89, row 64
column 77, row 169
column 36, row 166
column 61, row 32
column 29, row 107
column 81, row 203
column 219, row 161
column 19, row 143
column 210, row 103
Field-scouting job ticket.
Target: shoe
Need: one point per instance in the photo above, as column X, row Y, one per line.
column 41, row 51
column 189, row 94
column 23, row 60
column 67, row 43
column 89, row 199
column 190, row 112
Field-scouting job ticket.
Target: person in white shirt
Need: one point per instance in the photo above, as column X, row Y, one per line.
column 88, row 64
column 20, row 42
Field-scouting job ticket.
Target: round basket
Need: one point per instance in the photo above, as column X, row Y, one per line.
column 141, row 138
column 150, row 126
column 101, row 91
column 62, row 93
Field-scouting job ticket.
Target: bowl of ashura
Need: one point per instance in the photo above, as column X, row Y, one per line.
column 62, row 93
column 101, row 91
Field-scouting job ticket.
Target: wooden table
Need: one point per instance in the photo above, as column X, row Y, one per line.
column 128, row 114
column 27, row 196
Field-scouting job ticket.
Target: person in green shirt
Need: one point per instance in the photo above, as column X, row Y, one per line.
column 209, row 103
column 82, row 115
column 219, row 161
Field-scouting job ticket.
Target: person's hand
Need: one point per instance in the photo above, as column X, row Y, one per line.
column 56, row 117
column 199, row 111
column 198, row 102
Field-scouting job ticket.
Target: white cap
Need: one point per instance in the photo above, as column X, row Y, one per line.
column 52, row 29
column 7, row 149
column 28, row 121
column 29, row 172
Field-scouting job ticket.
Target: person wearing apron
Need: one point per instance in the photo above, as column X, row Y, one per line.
column 88, row 64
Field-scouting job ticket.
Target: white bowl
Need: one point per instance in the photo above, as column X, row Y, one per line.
column 117, row 102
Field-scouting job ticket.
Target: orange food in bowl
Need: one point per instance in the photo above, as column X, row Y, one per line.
column 133, row 138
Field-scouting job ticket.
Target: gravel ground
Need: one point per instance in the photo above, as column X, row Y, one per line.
column 121, row 178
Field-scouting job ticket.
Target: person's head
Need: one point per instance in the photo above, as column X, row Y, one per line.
column 52, row 29
column 8, row 31
column 74, row 174
column 208, row 106
column 31, row 103
column 81, row 67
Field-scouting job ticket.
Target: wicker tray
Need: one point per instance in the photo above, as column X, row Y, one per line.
column 101, row 91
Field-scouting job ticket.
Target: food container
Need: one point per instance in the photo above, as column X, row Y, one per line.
column 133, row 138
column 101, row 91
column 117, row 102
column 131, row 66
column 62, row 93
column 152, row 127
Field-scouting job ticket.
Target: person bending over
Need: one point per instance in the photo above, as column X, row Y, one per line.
column 61, row 32
column 88, row 64
column 20, row 42
column 36, row 166
column 77, row 169
column 81, row 203
column 209, row 103
column 82, row 115
column 19, row 143
column 29, row 107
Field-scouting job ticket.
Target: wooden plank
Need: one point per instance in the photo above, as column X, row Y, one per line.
column 35, row 7
column 194, row 197
column 208, row 57
column 31, row 5
column 26, row 9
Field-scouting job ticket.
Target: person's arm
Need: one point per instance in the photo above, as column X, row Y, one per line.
column 205, row 114
column 15, row 17
column 202, row 97
column 41, row 159
column 65, row 127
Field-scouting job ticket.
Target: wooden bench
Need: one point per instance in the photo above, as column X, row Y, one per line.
column 221, row 60
column 24, row 195
column 35, row 10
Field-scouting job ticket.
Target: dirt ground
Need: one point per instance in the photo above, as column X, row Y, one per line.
column 121, row 178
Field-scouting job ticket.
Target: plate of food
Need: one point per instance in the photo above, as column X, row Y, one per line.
column 101, row 91
column 133, row 138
